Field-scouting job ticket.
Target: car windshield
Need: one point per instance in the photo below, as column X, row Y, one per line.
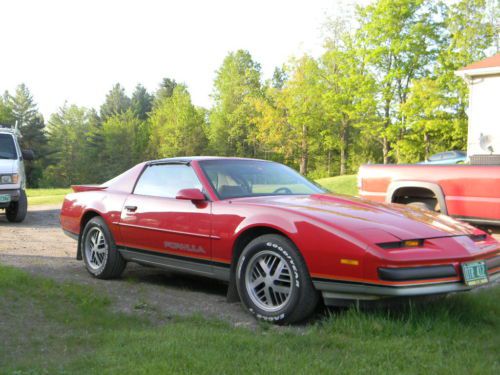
column 7, row 147
column 252, row 178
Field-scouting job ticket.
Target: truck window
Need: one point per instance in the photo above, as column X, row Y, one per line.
column 7, row 147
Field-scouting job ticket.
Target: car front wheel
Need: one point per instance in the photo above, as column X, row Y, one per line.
column 273, row 281
column 99, row 251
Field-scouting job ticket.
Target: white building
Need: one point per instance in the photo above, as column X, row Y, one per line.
column 483, row 79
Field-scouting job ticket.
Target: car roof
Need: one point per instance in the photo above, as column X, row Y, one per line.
column 188, row 159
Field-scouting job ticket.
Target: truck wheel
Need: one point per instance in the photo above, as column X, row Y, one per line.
column 16, row 212
column 99, row 251
column 423, row 205
column 273, row 281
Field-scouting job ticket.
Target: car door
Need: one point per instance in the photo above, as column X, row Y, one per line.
column 153, row 222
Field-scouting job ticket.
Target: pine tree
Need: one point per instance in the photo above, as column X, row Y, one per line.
column 117, row 102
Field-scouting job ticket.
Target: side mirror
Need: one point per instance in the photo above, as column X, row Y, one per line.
column 194, row 195
column 28, row 154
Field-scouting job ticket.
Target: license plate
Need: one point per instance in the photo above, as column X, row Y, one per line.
column 475, row 273
column 4, row 198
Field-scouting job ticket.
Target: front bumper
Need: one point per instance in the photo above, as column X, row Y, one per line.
column 14, row 196
column 337, row 292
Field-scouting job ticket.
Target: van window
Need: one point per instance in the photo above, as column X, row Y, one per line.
column 7, row 147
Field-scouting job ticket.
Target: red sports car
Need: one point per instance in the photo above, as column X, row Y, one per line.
column 280, row 241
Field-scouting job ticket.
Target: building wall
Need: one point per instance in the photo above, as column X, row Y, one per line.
column 484, row 113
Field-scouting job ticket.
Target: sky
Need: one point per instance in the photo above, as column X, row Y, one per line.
column 76, row 50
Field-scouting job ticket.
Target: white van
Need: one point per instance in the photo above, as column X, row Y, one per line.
column 12, row 176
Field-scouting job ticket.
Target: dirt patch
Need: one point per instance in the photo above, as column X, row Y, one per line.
column 40, row 247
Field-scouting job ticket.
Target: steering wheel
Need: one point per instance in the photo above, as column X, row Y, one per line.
column 282, row 189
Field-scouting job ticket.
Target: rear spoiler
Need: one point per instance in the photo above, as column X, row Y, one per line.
column 80, row 188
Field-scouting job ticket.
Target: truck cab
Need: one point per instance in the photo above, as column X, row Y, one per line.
column 12, row 176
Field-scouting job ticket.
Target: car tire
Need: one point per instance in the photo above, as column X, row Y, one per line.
column 273, row 281
column 99, row 251
column 16, row 212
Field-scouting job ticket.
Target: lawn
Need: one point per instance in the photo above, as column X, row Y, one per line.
column 46, row 196
column 80, row 334
column 338, row 184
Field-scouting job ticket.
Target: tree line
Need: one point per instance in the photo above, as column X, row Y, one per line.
column 383, row 90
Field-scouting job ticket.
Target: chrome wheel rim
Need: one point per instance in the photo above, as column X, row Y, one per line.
column 96, row 248
column 268, row 281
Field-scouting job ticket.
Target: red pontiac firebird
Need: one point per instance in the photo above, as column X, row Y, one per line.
column 280, row 241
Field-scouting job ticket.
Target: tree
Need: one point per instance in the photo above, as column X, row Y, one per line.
column 466, row 38
column 116, row 103
column 23, row 107
column 400, row 40
column 238, row 80
column 348, row 93
column 166, row 89
column 94, row 140
column 279, row 78
column 34, row 138
column 68, row 161
column 142, row 102
column 436, row 106
column 177, row 126
column 6, row 115
column 427, row 120
column 123, row 146
column 288, row 121
column 301, row 96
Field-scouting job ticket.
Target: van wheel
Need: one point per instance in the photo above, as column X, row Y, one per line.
column 16, row 212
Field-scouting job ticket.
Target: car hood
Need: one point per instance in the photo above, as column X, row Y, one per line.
column 7, row 166
column 358, row 215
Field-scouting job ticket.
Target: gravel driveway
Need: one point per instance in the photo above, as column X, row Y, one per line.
column 39, row 246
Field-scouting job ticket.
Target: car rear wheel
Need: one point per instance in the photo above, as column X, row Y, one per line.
column 99, row 251
column 273, row 281
column 16, row 212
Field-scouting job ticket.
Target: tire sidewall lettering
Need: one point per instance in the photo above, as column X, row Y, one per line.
column 279, row 315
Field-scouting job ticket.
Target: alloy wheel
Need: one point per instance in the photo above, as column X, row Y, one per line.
column 268, row 280
column 96, row 248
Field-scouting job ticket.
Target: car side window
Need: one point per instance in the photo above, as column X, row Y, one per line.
column 165, row 180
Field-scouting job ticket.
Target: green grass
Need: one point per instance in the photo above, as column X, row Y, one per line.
column 340, row 184
column 57, row 328
column 46, row 196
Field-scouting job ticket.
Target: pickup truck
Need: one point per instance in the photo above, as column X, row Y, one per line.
column 12, row 176
column 467, row 192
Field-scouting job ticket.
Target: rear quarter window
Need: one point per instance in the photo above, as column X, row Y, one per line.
column 166, row 180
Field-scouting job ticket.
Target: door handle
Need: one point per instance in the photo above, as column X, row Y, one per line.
column 131, row 208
